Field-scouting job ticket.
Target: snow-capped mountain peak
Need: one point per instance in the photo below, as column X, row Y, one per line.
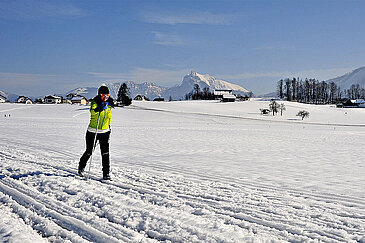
column 204, row 81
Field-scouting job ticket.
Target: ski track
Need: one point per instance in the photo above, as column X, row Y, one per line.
column 39, row 184
column 252, row 208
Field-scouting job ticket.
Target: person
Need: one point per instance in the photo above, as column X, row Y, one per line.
column 99, row 126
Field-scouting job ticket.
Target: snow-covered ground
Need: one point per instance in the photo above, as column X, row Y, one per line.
column 189, row 171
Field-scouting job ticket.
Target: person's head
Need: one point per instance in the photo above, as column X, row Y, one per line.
column 103, row 92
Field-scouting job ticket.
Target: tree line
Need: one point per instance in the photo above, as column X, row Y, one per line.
column 316, row 92
column 197, row 94
column 206, row 94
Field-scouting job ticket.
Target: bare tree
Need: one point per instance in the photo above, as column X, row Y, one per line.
column 274, row 107
column 196, row 95
column 282, row 108
column 303, row 114
column 280, row 88
column 288, row 89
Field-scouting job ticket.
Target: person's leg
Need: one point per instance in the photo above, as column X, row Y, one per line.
column 89, row 150
column 104, row 148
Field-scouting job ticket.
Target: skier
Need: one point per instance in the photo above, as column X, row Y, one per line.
column 101, row 113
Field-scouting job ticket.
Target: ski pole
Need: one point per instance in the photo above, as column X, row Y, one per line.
column 94, row 145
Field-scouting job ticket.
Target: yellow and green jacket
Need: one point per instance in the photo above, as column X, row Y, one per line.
column 105, row 116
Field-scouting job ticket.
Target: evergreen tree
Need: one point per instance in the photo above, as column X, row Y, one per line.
column 123, row 95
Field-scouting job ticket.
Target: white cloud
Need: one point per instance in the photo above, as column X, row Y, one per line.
column 162, row 77
column 111, row 76
column 320, row 74
column 35, row 9
column 24, row 79
column 195, row 17
column 139, row 75
column 35, row 84
column 168, row 39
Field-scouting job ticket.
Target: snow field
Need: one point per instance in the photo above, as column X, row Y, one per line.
column 184, row 172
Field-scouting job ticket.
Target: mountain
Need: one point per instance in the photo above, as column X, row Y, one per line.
column 88, row 92
column 150, row 90
column 357, row 76
column 177, row 92
column 9, row 97
column 187, row 85
column 3, row 94
column 268, row 95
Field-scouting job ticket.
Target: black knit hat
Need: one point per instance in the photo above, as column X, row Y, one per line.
column 103, row 90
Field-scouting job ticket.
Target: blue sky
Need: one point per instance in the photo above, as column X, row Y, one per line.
column 54, row 46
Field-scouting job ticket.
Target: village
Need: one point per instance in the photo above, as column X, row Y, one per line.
column 224, row 95
column 219, row 94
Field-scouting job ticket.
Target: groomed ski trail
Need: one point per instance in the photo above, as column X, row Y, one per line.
column 248, row 209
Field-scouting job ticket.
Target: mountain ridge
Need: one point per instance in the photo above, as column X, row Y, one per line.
column 177, row 92
column 356, row 76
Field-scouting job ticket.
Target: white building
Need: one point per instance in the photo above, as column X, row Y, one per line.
column 52, row 99
column 220, row 92
column 225, row 95
column 79, row 100
column 229, row 98
column 24, row 100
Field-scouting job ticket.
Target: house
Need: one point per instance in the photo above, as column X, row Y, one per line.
column 141, row 98
column 24, row 100
column 354, row 103
column 66, row 101
column 2, row 99
column 52, row 99
column 224, row 95
column 21, row 99
column 159, row 99
column 79, row 100
column 218, row 93
column 360, row 103
column 229, row 98
column 71, row 95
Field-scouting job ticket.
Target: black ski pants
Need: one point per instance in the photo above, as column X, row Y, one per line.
column 103, row 139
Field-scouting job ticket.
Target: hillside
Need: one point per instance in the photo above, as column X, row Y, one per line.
column 345, row 81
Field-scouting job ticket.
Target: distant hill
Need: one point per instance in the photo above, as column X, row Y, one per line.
column 345, row 81
column 152, row 90
column 268, row 95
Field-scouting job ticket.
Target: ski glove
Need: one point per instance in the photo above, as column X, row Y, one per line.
column 101, row 107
